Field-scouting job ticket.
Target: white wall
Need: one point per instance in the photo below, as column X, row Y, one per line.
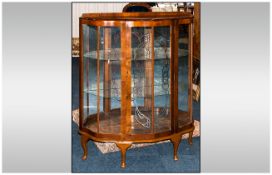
column 79, row 8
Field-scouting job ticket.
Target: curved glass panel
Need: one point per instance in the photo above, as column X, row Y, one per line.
column 183, row 81
column 90, row 76
column 102, row 76
column 110, row 80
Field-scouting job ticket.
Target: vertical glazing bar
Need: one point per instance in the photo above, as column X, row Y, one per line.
column 190, row 66
column 171, row 79
column 98, row 75
column 81, row 76
column 174, row 76
column 176, row 70
column 172, row 49
column 152, row 81
column 125, row 79
column 107, row 79
column 87, row 71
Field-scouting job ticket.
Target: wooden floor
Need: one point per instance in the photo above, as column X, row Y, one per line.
column 110, row 122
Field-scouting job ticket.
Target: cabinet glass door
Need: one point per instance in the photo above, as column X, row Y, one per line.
column 150, row 79
column 109, row 80
column 162, row 82
column 141, row 80
column 90, row 77
column 102, row 74
column 183, row 74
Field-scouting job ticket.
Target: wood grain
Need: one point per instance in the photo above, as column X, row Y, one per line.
column 125, row 79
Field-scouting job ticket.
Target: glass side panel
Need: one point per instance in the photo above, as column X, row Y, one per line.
column 162, row 82
column 90, row 76
column 141, row 80
column 110, row 80
column 183, row 84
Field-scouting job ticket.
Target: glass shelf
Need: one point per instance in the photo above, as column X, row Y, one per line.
column 157, row 91
column 149, row 76
column 114, row 54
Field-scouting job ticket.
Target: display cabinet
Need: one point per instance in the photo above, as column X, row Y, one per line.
column 135, row 78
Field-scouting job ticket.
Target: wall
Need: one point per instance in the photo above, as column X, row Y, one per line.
column 79, row 8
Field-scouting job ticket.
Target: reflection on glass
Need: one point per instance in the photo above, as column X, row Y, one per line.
column 183, row 82
column 141, row 80
column 150, row 83
column 110, row 76
column 90, row 75
column 102, row 74
column 162, row 79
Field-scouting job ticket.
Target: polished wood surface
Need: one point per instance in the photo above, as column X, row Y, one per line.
column 174, row 72
column 83, row 141
column 134, row 23
column 125, row 80
column 118, row 125
column 137, row 16
column 176, row 141
column 123, row 146
column 81, row 76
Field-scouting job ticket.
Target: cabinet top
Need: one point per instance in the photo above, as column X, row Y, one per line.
column 137, row 16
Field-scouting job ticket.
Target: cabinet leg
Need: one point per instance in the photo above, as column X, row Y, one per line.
column 176, row 141
column 84, row 140
column 123, row 149
column 190, row 138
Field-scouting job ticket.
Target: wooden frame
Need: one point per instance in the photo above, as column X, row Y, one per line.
column 125, row 22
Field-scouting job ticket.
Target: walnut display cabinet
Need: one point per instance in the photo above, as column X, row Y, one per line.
column 135, row 78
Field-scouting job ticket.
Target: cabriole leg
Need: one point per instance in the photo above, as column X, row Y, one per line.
column 176, row 141
column 84, row 140
column 190, row 138
column 123, row 149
